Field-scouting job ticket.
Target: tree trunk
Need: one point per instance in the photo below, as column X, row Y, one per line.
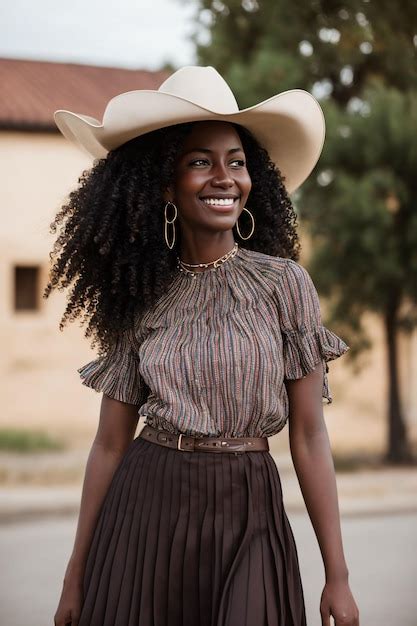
column 398, row 447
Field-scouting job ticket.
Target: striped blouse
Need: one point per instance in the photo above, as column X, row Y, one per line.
column 211, row 356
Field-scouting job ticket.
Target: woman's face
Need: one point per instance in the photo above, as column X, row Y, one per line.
column 211, row 182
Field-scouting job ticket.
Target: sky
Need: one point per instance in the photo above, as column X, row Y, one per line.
column 133, row 34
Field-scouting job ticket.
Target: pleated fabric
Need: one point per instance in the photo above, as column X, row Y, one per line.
column 193, row 539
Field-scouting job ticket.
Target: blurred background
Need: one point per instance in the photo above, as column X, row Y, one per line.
column 358, row 228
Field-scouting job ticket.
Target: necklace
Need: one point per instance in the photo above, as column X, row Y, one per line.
column 183, row 266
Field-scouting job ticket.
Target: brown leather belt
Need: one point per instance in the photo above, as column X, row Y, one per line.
column 188, row 443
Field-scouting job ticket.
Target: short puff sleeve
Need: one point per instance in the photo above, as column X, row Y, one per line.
column 306, row 341
column 117, row 372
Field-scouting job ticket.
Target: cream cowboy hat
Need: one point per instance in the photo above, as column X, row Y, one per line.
column 289, row 125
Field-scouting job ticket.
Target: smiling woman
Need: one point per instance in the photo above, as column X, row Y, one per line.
column 184, row 524
column 211, row 190
column 120, row 211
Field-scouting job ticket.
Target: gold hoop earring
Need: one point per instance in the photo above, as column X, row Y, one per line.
column 253, row 225
column 170, row 246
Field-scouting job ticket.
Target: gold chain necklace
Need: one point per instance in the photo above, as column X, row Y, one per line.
column 183, row 266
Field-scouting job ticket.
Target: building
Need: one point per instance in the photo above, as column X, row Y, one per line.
column 40, row 167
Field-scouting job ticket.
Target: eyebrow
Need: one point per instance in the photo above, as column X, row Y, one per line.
column 207, row 150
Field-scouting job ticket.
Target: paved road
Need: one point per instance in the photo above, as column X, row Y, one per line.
column 381, row 556
column 380, row 550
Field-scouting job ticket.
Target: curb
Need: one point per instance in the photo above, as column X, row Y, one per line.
column 385, row 491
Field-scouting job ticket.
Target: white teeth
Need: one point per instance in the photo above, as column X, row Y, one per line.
column 219, row 201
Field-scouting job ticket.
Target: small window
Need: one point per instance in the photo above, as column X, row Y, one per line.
column 26, row 284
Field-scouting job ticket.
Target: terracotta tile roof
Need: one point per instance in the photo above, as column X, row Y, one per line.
column 33, row 90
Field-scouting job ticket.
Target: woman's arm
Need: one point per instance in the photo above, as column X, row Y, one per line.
column 116, row 430
column 313, row 463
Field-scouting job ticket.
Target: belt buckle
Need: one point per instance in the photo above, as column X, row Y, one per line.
column 180, row 436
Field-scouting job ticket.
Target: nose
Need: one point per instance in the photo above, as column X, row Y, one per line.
column 222, row 177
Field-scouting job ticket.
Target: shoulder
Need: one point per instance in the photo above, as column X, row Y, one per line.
column 265, row 262
column 297, row 276
column 292, row 286
column 281, row 270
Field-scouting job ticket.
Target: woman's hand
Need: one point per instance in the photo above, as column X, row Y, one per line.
column 337, row 600
column 70, row 603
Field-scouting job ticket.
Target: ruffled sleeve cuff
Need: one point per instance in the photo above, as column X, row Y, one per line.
column 117, row 373
column 306, row 341
column 304, row 348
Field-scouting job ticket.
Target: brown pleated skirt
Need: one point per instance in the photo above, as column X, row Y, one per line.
column 193, row 539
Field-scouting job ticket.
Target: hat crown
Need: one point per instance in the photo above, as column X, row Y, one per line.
column 203, row 86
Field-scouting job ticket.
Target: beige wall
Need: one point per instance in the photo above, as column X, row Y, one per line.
column 40, row 384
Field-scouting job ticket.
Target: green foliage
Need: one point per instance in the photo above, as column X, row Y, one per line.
column 361, row 206
column 260, row 75
column 299, row 44
column 23, row 440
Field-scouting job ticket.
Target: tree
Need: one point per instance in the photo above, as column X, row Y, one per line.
column 359, row 58
column 361, row 212
column 261, row 45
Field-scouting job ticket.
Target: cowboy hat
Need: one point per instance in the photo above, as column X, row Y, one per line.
column 289, row 125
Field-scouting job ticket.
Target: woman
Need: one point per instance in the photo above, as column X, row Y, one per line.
column 217, row 344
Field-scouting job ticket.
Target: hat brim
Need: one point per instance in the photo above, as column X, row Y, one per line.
column 290, row 126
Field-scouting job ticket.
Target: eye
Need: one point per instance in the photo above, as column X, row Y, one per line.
column 241, row 161
column 196, row 161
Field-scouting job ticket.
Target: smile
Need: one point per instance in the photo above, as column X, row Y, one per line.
column 220, row 203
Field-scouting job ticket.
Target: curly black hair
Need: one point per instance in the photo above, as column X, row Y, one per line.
column 112, row 244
